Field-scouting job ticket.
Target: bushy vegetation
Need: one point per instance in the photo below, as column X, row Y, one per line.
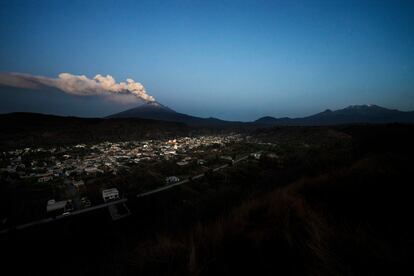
column 350, row 217
column 355, row 221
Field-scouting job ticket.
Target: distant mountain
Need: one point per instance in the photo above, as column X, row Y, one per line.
column 373, row 114
column 149, row 109
column 156, row 120
column 157, row 111
column 268, row 120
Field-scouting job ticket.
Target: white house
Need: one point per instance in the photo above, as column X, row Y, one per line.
column 110, row 194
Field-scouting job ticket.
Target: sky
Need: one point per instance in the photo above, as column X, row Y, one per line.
column 235, row 60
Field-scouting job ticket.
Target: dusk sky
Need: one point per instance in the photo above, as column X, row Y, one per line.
column 235, row 60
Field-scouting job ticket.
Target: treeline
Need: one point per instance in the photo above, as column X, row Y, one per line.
column 21, row 130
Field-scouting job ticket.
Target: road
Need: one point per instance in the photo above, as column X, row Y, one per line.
column 165, row 188
column 190, row 178
column 46, row 220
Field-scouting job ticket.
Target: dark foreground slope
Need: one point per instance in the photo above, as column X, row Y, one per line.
column 347, row 213
column 32, row 129
column 337, row 201
column 351, row 222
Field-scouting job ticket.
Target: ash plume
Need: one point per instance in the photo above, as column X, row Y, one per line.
column 124, row 92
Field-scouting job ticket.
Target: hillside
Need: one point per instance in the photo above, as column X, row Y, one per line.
column 372, row 114
column 157, row 111
column 336, row 201
column 32, row 129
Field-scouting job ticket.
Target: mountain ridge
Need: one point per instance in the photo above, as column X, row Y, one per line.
column 353, row 114
column 157, row 111
column 349, row 115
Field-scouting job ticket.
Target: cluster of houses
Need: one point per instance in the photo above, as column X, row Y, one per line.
column 73, row 164
column 82, row 160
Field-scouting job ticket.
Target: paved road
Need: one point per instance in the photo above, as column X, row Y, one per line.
column 242, row 158
column 188, row 179
column 163, row 188
column 46, row 220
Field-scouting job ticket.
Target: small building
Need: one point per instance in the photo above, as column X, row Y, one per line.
column 92, row 170
column 110, row 194
column 56, row 207
column 85, row 202
column 256, row 155
column 44, row 179
column 225, row 157
column 182, row 163
column 201, row 162
column 272, row 156
column 171, row 179
column 78, row 183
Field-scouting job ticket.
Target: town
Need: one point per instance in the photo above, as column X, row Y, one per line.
column 82, row 159
column 60, row 180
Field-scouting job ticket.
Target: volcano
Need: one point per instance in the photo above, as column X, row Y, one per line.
column 156, row 111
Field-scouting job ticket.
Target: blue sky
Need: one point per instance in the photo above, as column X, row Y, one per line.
column 235, row 60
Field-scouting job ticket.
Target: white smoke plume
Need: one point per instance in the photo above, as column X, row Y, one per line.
column 124, row 92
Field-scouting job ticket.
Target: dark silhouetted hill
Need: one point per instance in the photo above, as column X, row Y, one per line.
column 372, row 114
column 157, row 111
column 33, row 129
